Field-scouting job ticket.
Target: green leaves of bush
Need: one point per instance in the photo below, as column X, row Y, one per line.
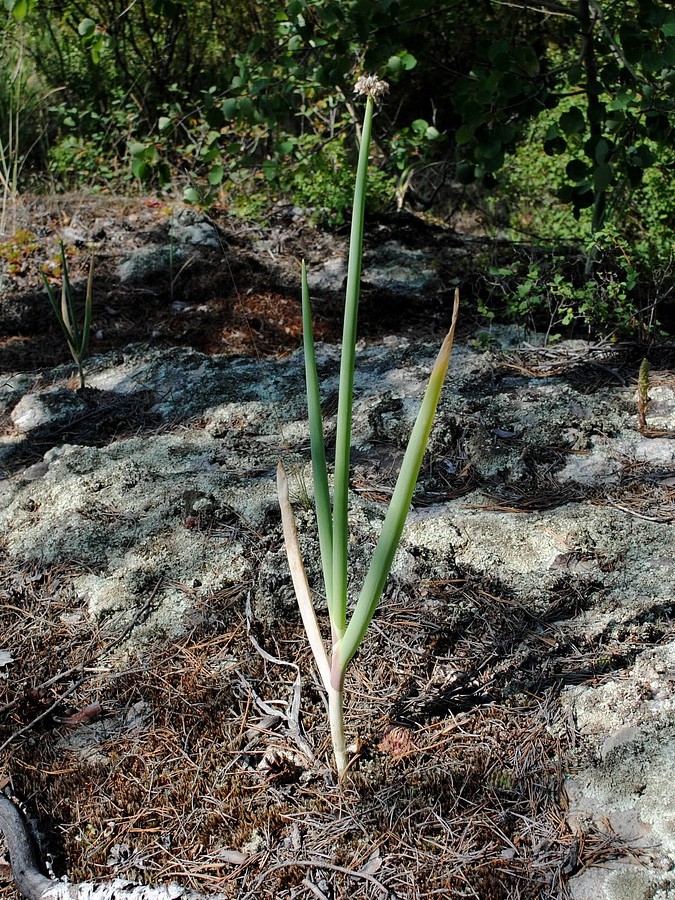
column 18, row 8
column 612, row 78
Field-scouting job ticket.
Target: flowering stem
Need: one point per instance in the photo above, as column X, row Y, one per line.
column 346, row 390
column 334, row 529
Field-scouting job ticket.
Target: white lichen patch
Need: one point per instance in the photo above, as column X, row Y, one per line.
column 628, row 735
column 120, row 510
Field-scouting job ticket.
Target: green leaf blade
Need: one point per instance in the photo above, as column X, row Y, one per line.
column 68, row 314
column 397, row 513
column 346, row 390
column 88, row 312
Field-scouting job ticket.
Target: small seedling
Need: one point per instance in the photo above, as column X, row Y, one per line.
column 332, row 512
column 643, row 394
column 77, row 338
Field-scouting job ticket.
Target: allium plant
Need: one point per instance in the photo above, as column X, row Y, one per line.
column 76, row 337
column 348, row 630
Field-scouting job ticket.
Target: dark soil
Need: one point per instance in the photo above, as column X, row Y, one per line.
column 234, row 299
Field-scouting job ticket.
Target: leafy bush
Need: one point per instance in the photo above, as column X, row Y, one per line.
column 550, row 292
column 91, row 147
column 322, row 179
column 570, row 116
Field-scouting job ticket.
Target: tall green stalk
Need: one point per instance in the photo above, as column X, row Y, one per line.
column 346, row 390
column 332, row 517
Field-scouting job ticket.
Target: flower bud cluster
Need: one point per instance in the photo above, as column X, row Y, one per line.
column 371, row 86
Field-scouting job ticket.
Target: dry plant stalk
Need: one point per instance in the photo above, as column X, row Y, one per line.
column 643, row 394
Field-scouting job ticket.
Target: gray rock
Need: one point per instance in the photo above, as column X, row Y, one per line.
column 73, row 235
column 395, row 268
column 391, row 267
column 622, row 882
column 655, row 451
column 661, row 407
column 399, row 270
column 194, row 230
column 147, row 263
column 626, row 726
column 330, row 277
column 47, row 408
column 120, row 510
column 595, row 467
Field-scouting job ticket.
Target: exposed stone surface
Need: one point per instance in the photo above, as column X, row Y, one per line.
column 168, row 512
column 390, row 266
column 193, row 229
column 400, row 270
column 145, row 263
column 628, row 732
column 330, row 276
column 45, row 408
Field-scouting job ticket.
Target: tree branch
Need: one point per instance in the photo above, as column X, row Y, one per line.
column 540, row 6
column 36, row 886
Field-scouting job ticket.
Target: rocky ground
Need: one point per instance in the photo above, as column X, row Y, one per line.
column 512, row 706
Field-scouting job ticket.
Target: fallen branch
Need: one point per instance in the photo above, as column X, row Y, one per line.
column 35, row 886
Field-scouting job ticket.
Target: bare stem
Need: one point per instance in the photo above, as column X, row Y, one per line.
column 643, row 394
column 337, row 728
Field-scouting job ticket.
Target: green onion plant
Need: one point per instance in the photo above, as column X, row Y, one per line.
column 348, row 631
column 64, row 309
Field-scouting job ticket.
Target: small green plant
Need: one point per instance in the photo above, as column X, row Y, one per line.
column 551, row 292
column 64, row 309
column 643, row 395
column 332, row 512
column 17, row 250
column 318, row 178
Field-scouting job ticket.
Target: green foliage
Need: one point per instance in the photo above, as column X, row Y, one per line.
column 530, row 184
column 553, row 293
column 18, row 9
column 321, row 180
column 570, row 117
column 649, row 223
column 92, row 147
column 17, row 249
column 117, row 68
column 289, row 108
column 610, row 96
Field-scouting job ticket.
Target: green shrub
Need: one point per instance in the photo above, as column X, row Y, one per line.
column 549, row 291
column 322, row 178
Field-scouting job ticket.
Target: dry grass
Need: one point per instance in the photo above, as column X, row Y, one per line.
column 206, row 760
